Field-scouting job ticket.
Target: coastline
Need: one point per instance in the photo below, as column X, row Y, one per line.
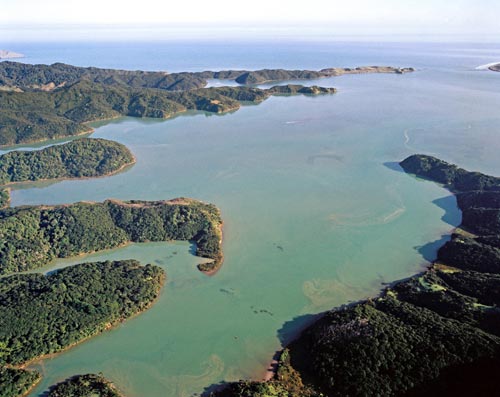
column 447, row 313
column 221, row 260
column 32, row 387
column 218, row 100
column 270, row 371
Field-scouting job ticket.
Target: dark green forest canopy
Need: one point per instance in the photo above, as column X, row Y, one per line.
column 89, row 385
column 437, row 333
column 76, row 159
column 31, row 237
column 455, row 178
column 16, row 382
column 4, row 198
column 43, row 314
column 478, row 195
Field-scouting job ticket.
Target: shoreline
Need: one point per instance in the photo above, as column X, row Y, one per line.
column 33, row 386
column 214, row 271
column 38, row 141
column 11, row 185
column 436, row 265
column 175, row 201
column 326, row 72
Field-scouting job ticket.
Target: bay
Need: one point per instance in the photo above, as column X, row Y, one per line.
column 316, row 213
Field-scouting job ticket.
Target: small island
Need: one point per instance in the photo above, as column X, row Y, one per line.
column 5, row 54
column 81, row 158
column 436, row 333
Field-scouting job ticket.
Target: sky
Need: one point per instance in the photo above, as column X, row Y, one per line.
column 45, row 19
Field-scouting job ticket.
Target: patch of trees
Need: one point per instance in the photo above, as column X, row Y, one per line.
column 16, row 382
column 4, row 198
column 287, row 383
column 84, row 386
column 43, row 314
column 76, row 159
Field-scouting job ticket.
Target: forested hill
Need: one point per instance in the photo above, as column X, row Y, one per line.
column 15, row 382
column 41, row 102
column 70, row 305
column 76, row 159
column 40, row 115
column 434, row 334
column 31, row 237
column 455, row 178
column 48, row 77
column 20, row 76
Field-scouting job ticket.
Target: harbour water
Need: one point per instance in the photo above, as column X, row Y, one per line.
column 316, row 212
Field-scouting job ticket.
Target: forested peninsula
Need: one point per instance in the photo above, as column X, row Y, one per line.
column 31, row 237
column 41, row 102
column 44, row 314
column 434, row 334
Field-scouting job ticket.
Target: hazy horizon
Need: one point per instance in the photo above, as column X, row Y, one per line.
column 366, row 20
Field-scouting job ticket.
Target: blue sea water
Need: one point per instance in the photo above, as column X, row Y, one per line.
column 314, row 216
column 238, row 54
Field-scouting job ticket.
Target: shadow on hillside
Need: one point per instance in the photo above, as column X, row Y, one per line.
column 429, row 250
column 393, row 165
column 452, row 214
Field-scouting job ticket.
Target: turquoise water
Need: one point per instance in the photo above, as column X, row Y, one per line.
column 315, row 217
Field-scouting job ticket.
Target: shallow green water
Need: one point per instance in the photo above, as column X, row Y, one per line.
column 313, row 219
